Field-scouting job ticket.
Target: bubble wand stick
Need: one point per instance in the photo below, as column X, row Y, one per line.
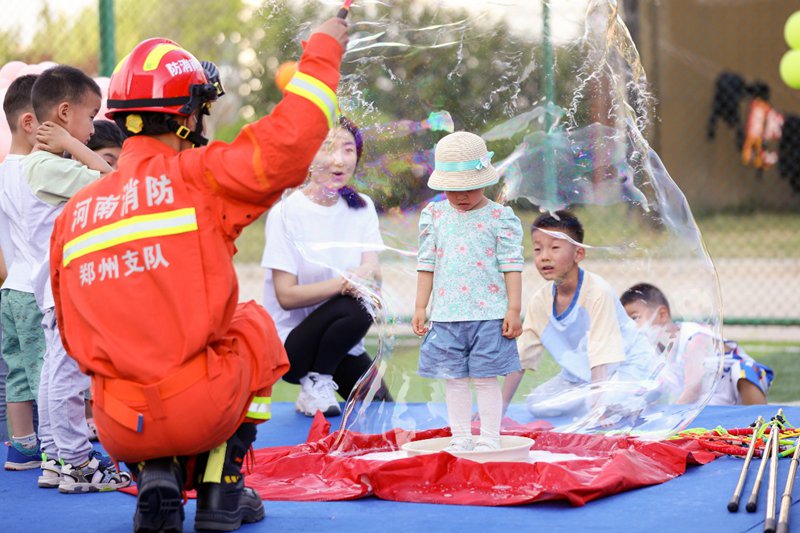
column 786, row 499
column 752, row 502
column 772, row 486
column 344, row 10
column 733, row 505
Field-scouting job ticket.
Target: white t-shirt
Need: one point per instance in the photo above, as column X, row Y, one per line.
column 50, row 182
column 10, row 174
column 315, row 243
column 17, row 250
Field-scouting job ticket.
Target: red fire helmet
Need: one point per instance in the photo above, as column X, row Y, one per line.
column 161, row 77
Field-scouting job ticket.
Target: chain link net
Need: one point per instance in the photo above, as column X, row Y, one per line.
column 726, row 131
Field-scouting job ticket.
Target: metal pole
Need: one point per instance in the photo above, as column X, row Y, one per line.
column 550, row 178
column 107, row 40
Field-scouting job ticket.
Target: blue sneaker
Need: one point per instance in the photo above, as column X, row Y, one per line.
column 19, row 460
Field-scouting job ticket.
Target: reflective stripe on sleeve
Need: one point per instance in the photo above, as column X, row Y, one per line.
column 131, row 229
column 317, row 93
column 260, row 408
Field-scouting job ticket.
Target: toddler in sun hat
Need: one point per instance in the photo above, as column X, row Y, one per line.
column 470, row 261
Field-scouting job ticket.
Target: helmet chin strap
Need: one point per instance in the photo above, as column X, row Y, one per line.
column 195, row 137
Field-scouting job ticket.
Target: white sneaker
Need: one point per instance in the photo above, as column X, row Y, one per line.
column 459, row 444
column 317, row 394
column 487, row 444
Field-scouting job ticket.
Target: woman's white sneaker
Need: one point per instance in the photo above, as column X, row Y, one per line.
column 317, row 393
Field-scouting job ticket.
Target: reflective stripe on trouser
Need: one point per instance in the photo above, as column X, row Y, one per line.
column 206, row 413
column 317, row 93
column 260, row 408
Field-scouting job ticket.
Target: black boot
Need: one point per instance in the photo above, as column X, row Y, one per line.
column 159, row 506
column 225, row 504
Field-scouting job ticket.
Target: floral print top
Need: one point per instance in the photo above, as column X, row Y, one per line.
column 468, row 253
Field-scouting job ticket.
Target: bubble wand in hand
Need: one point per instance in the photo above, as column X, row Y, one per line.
column 344, row 10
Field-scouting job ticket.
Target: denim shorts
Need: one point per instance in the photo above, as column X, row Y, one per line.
column 474, row 349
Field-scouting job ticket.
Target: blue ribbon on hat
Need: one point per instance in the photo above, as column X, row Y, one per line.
column 458, row 166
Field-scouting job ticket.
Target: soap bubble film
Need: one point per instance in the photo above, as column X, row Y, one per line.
column 560, row 96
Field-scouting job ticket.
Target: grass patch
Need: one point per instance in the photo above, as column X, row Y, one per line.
column 783, row 359
column 401, row 373
column 749, row 235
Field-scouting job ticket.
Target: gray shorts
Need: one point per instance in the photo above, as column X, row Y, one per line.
column 474, row 349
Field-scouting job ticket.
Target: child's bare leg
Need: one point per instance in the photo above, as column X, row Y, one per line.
column 490, row 408
column 459, row 409
column 749, row 393
column 20, row 418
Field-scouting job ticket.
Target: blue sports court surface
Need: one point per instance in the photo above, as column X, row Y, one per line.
column 695, row 501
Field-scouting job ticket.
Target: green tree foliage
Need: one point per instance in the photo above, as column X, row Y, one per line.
column 478, row 70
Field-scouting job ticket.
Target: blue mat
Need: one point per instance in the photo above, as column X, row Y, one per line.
column 695, row 501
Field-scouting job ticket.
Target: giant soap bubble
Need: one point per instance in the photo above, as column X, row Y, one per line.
column 559, row 94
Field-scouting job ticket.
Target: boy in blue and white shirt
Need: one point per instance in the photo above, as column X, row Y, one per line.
column 578, row 319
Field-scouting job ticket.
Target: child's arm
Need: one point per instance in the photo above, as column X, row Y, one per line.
column 424, row 288
column 426, row 264
column 508, row 251
column 697, row 349
column 512, row 325
column 55, row 139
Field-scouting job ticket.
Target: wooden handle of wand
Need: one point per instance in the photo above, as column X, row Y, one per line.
column 786, row 499
column 733, row 505
column 752, row 502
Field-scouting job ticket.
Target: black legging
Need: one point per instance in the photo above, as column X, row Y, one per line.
column 320, row 343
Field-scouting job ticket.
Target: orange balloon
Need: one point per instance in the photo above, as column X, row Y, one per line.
column 284, row 73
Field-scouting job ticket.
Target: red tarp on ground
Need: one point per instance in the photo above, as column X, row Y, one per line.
column 307, row 472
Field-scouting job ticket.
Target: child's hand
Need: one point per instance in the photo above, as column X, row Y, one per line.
column 418, row 322
column 512, row 325
column 52, row 138
column 336, row 28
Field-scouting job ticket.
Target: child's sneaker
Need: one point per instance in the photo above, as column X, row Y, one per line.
column 19, row 460
column 487, row 444
column 459, row 444
column 98, row 475
column 51, row 472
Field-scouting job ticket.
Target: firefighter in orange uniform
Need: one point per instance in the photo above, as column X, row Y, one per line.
column 145, row 289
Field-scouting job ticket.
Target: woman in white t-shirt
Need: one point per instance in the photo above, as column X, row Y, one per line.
column 317, row 238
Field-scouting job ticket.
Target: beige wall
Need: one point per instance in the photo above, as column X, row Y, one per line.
column 684, row 45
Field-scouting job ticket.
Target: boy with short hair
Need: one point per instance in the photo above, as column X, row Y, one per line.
column 692, row 355
column 23, row 338
column 578, row 319
column 65, row 101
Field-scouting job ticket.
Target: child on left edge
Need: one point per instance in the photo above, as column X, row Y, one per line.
column 470, row 258
column 23, row 343
column 65, row 101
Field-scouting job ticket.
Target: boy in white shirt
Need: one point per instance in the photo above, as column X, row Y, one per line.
column 692, row 355
column 23, row 338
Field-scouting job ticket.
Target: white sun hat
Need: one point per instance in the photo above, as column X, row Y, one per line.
column 462, row 164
